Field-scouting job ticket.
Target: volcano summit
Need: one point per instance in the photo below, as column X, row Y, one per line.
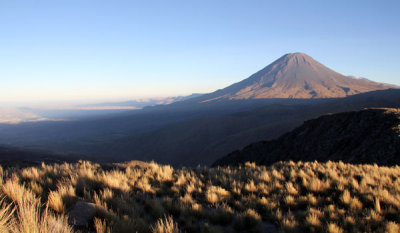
column 296, row 75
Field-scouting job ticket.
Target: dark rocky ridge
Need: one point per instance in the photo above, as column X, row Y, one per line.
column 366, row 136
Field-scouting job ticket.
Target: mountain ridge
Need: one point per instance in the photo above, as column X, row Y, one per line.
column 368, row 136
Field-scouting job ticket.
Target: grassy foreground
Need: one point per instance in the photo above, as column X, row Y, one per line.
column 147, row 197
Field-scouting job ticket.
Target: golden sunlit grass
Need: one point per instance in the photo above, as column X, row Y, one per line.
column 55, row 201
column 28, row 217
column 148, row 197
column 165, row 225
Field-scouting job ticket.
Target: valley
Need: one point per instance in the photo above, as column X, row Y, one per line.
column 199, row 129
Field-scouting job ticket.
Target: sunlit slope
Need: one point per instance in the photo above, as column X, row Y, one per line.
column 295, row 75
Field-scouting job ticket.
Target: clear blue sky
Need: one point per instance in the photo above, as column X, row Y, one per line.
column 96, row 50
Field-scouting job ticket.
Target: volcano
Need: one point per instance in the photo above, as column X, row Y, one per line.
column 296, row 75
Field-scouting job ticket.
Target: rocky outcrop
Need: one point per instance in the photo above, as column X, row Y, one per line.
column 82, row 213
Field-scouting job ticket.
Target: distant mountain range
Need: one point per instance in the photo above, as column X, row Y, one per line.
column 296, row 75
column 73, row 112
column 367, row 136
column 144, row 102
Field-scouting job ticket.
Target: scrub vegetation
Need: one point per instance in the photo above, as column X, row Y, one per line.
column 148, row 197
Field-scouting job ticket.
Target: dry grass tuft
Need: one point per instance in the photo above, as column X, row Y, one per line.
column 55, row 201
column 313, row 220
column 333, row 228
column 100, row 226
column 165, row 225
column 6, row 216
column 216, row 194
column 392, row 227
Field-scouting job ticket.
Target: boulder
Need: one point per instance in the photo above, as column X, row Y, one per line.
column 82, row 213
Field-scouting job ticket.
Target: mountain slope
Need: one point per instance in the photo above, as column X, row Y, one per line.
column 295, row 75
column 203, row 140
column 367, row 136
column 28, row 156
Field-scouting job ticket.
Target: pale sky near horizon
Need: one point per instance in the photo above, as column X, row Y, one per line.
column 96, row 50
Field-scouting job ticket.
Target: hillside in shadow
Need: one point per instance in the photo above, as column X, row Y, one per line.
column 367, row 136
